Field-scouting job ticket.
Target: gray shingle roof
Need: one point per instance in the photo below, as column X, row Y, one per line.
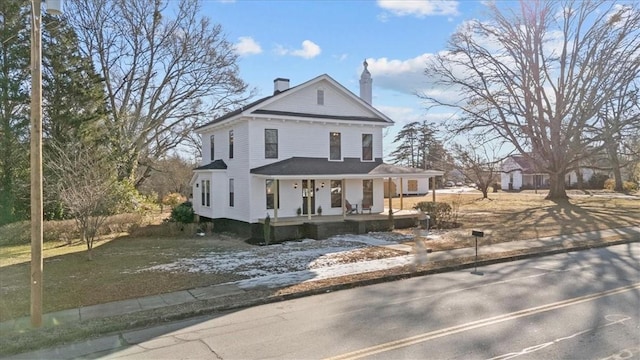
column 237, row 111
column 316, row 166
column 214, row 165
column 318, row 116
column 306, row 166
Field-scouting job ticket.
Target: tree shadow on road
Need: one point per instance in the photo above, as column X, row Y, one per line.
column 426, row 305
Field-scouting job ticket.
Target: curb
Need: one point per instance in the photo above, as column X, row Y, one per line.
column 443, row 269
column 123, row 323
column 359, row 283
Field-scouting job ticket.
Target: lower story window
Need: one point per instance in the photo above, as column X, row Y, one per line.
column 272, row 187
column 367, row 193
column 206, row 192
column 412, row 185
column 336, row 193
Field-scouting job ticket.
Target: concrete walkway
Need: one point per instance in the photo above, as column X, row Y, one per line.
column 130, row 306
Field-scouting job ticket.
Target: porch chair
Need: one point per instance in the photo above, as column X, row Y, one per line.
column 349, row 208
column 366, row 207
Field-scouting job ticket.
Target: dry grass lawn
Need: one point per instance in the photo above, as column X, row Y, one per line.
column 526, row 215
column 72, row 281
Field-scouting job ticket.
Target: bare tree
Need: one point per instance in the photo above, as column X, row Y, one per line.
column 538, row 75
column 164, row 75
column 171, row 175
column 479, row 161
column 86, row 186
column 619, row 120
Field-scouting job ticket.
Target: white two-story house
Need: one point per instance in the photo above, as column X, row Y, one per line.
column 302, row 151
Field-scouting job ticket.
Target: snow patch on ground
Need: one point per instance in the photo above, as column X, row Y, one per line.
column 292, row 262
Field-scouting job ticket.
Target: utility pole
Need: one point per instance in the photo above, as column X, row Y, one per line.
column 36, row 163
column 54, row 7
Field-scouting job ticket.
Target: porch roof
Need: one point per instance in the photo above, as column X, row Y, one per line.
column 214, row 165
column 319, row 168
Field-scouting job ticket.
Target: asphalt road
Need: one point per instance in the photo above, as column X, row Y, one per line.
column 583, row 305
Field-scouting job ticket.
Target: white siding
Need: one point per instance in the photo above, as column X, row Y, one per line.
column 309, row 139
column 305, row 101
column 296, row 138
column 238, row 170
column 290, row 199
column 572, row 177
column 505, row 178
column 423, row 186
column 206, row 148
column 216, row 209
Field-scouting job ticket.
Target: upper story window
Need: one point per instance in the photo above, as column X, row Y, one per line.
column 270, row 143
column 211, row 147
column 231, row 193
column 320, row 96
column 367, row 146
column 334, row 146
column 230, row 144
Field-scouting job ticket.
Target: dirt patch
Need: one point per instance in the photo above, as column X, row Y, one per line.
column 367, row 254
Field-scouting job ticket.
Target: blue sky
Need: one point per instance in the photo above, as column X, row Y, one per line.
column 300, row 40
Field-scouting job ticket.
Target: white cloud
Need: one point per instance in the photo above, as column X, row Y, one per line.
column 405, row 76
column 341, row 57
column 400, row 115
column 247, row 46
column 418, row 8
column 309, row 50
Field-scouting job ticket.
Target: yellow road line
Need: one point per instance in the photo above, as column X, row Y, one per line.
column 392, row 345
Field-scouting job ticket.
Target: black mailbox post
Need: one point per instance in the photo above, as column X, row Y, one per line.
column 477, row 234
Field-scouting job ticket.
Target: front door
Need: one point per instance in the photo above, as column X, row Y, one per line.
column 308, row 194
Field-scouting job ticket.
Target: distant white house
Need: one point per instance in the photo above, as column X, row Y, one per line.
column 304, row 148
column 519, row 172
column 408, row 186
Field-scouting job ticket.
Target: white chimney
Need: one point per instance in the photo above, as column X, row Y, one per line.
column 280, row 85
column 365, row 84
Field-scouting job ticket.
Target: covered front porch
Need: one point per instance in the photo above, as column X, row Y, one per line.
column 324, row 226
column 295, row 188
column 316, row 198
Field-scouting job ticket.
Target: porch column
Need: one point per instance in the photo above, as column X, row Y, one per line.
column 433, row 189
column 276, row 203
column 309, row 192
column 401, row 191
column 343, row 188
column 390, row 198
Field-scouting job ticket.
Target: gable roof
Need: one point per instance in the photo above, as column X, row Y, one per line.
column 237, row 111
column 525, row 163
column 522, row 163
column 256, row 106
